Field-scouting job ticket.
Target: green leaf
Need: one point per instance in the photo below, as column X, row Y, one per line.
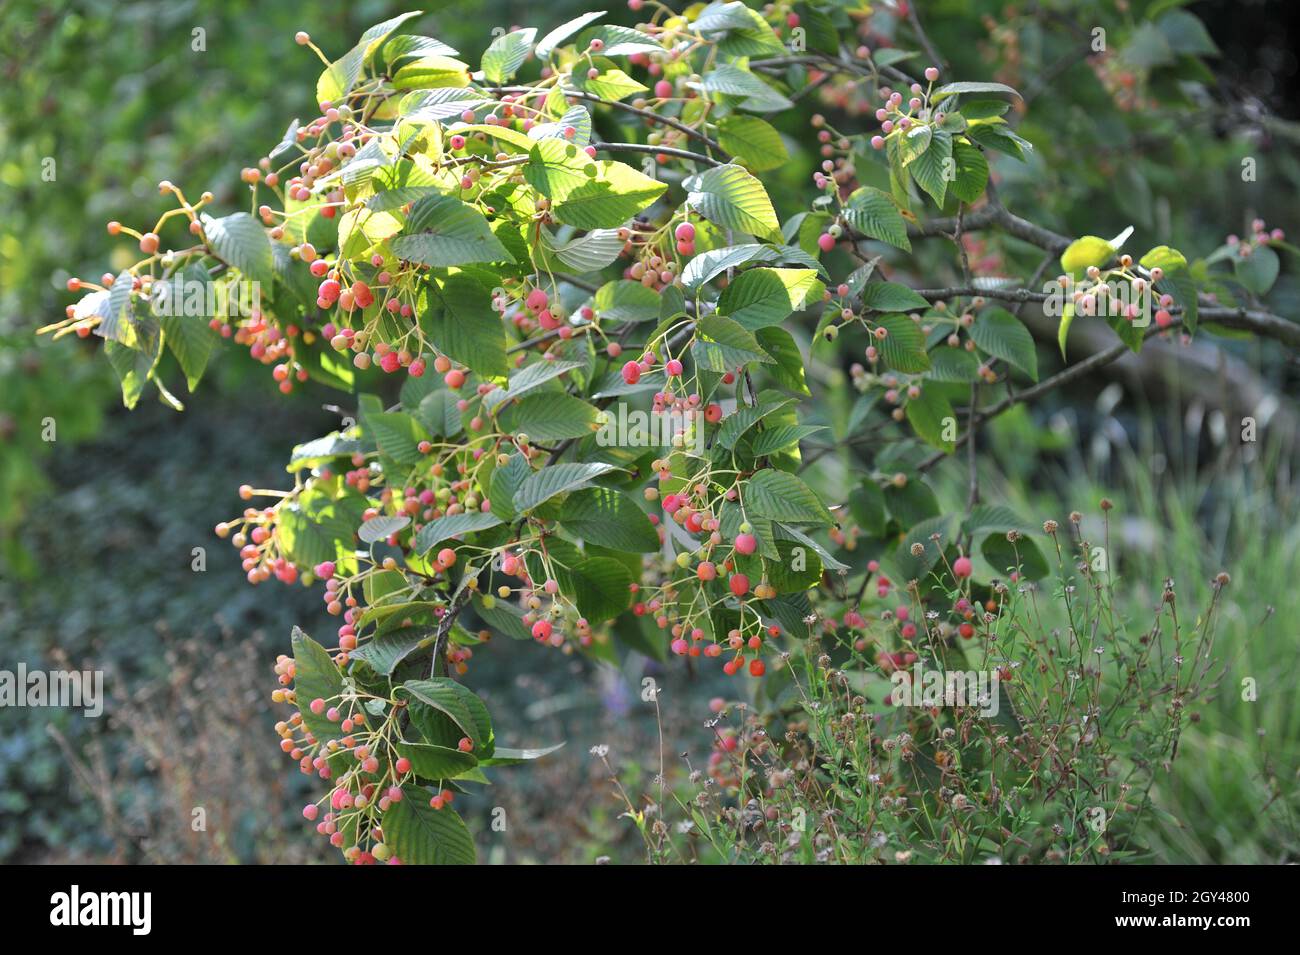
column 903, row 146
column 874, row 214
column 502, row 617
column 601, row 588
column 547, row 44
column 903, row 348
column 418, row 834
column 789, row 368
column 1084, row 252
column 729, row 197
column 610, row 84
column 626, row 301
column 440, row 529
column 529, row 378
column 907, row 567
column 933, row 168
column 585, row 193
column 341, row 75
column 1258, row 270
column 781, row 496
column 240, row 241
column 953, row 89
column 587, row 253
column 779, row 438
column 762, row 297
column 999, row 137
column 506, row 479
column 1023, row 554
column 750, row 92
column 441, row 230
column 972, row 172
column 191, row 340
column 745, row 417
column 891, row 297
column 550, row 416
column 931, row 416
column 722, row 345
column 999, row 333
column 753, row 141
column 955, row 365
column 385, row 651
column 464, row 326
column 398, row 435
column 315, row 677
column 608, row 518
column 458, row 703
column 316, row 529
column 381, row 527
column 435, row 763
column 505, row 54
column 541, row 486
column 432, row 72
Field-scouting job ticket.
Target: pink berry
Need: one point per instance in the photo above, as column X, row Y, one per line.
column 745, row 543
column 631, row 373
column 962, row 566
column 826, row 242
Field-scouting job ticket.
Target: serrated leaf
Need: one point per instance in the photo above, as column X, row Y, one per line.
column 608, row 518
column 953, row 89
column 441, row 230
column 753, row 141
column 757, row 298
column 891, row 297
column 626, row 301
column 999, row 333
column 565, row 30
column 728, row 196
column 933, row 167
column 780, row 496
column 874, row 214
column 903, row 348
column 381, row 527
column 453, row 525
column 418, row 834
column 601, row 588
column 240, row 241
column 789, row 367
column 549, row 416
column 972, row 172
column 541, row 486
column 315, row 677
column 383, row 652
column 932, row 418
column 464, row 326
column 505, row 54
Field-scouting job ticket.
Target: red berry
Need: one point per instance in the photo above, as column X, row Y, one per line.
column 745, row 543
column 631, row 373
column 739, row 584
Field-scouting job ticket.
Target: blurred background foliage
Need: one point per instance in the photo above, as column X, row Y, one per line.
column 97, row 528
